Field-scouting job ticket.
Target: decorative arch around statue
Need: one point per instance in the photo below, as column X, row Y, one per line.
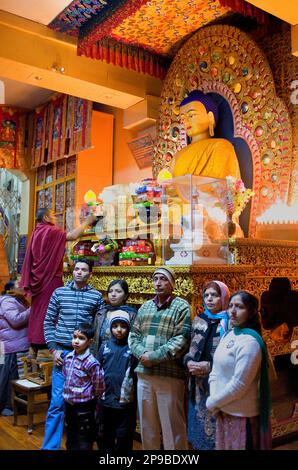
column 224, row 61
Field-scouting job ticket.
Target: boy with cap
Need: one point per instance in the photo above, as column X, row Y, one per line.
column 159, row 338
column 118, row 402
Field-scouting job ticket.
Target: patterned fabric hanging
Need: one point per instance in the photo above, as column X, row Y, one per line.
column 62, row 128
column 57, row 121
column 78, row 124
column 12, row 137
column 39, row 138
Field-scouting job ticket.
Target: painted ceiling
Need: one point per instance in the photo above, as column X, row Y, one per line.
column 154, row 24
column 142, row 35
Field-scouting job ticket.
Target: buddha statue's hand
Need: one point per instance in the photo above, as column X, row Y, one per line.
column 174, row 200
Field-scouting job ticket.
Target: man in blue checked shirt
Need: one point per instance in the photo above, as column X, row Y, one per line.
column 70, row 305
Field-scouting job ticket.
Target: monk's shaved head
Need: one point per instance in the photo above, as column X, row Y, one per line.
column 42, row 213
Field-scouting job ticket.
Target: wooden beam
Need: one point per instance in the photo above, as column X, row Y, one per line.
column 32, row 53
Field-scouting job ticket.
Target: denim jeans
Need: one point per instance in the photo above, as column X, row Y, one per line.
column 55, row 417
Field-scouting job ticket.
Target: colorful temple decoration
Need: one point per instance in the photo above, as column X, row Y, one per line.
column 223, row 60
column 171, row 20
column 142, row 35
column 12, row 138
column 120, row 32
column 79, row 12
column 103, row 24
column 62, row 128
column 129, row 57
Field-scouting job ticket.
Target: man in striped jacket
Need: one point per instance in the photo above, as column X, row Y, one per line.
column 75, row 303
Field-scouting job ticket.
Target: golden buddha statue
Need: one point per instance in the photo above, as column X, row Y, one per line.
column 205, row 155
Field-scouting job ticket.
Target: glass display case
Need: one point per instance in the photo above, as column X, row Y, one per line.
column 181, row 221
column 194, row 227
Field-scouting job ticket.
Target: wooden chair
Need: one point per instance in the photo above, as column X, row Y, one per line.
column 28, row 391
column 38, row 371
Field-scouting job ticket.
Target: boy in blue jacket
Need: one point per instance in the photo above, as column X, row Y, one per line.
column 118, row 402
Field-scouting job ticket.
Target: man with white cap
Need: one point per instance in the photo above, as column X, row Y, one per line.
column 159, row 338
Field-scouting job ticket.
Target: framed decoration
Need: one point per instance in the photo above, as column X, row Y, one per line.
column 142, row 150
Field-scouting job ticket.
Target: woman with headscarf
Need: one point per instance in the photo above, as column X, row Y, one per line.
column 14, row 315
column 117, row 296
column 207, row 329
column 118, row 293
column 239, row 383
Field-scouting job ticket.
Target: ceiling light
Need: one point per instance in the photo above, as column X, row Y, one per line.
column 57, row 68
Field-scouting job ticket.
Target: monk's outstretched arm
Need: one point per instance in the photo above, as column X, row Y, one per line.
column 77, row 232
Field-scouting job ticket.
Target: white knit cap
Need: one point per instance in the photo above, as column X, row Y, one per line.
column 119, row 315
column 168, row 273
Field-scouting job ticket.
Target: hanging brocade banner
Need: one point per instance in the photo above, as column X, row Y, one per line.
column 62, row 128
column 57, row 122
column 78, row 129
column 40, row 142
column 12, row 137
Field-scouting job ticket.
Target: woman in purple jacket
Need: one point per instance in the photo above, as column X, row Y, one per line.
column 14, row 314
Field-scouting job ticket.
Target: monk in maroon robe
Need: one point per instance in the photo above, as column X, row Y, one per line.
column 43, row 267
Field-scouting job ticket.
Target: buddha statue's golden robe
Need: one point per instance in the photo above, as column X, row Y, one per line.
column 214, row 158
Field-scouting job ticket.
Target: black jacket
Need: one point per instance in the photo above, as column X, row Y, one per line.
column 115, row 358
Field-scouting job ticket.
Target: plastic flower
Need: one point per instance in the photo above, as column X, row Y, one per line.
column 237, row 197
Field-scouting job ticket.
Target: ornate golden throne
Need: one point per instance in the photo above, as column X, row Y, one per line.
column 228, row 64
column 223, row 60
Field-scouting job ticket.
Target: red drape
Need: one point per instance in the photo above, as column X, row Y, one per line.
column 246, row 9
column 126, row 56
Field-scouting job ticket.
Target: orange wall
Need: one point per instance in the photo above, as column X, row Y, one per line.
column 126, row 169
column 95, row 165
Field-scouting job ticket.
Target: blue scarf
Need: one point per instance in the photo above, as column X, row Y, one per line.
column 223, row 316
column 264, row 389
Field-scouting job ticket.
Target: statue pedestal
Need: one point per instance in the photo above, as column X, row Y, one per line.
column 193, row 213
column 195, row 246
column 206, row 255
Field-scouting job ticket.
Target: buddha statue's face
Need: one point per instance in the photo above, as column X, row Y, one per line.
column 195, row 118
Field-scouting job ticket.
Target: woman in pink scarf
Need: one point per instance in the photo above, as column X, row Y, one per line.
column 207, row 329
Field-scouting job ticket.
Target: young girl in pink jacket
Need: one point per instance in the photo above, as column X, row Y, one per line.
column 14, row 314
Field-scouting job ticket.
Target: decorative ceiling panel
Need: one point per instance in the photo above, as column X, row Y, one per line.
column 159, row 24
column 141, row 35
column 85, row 17
column 79, row 12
